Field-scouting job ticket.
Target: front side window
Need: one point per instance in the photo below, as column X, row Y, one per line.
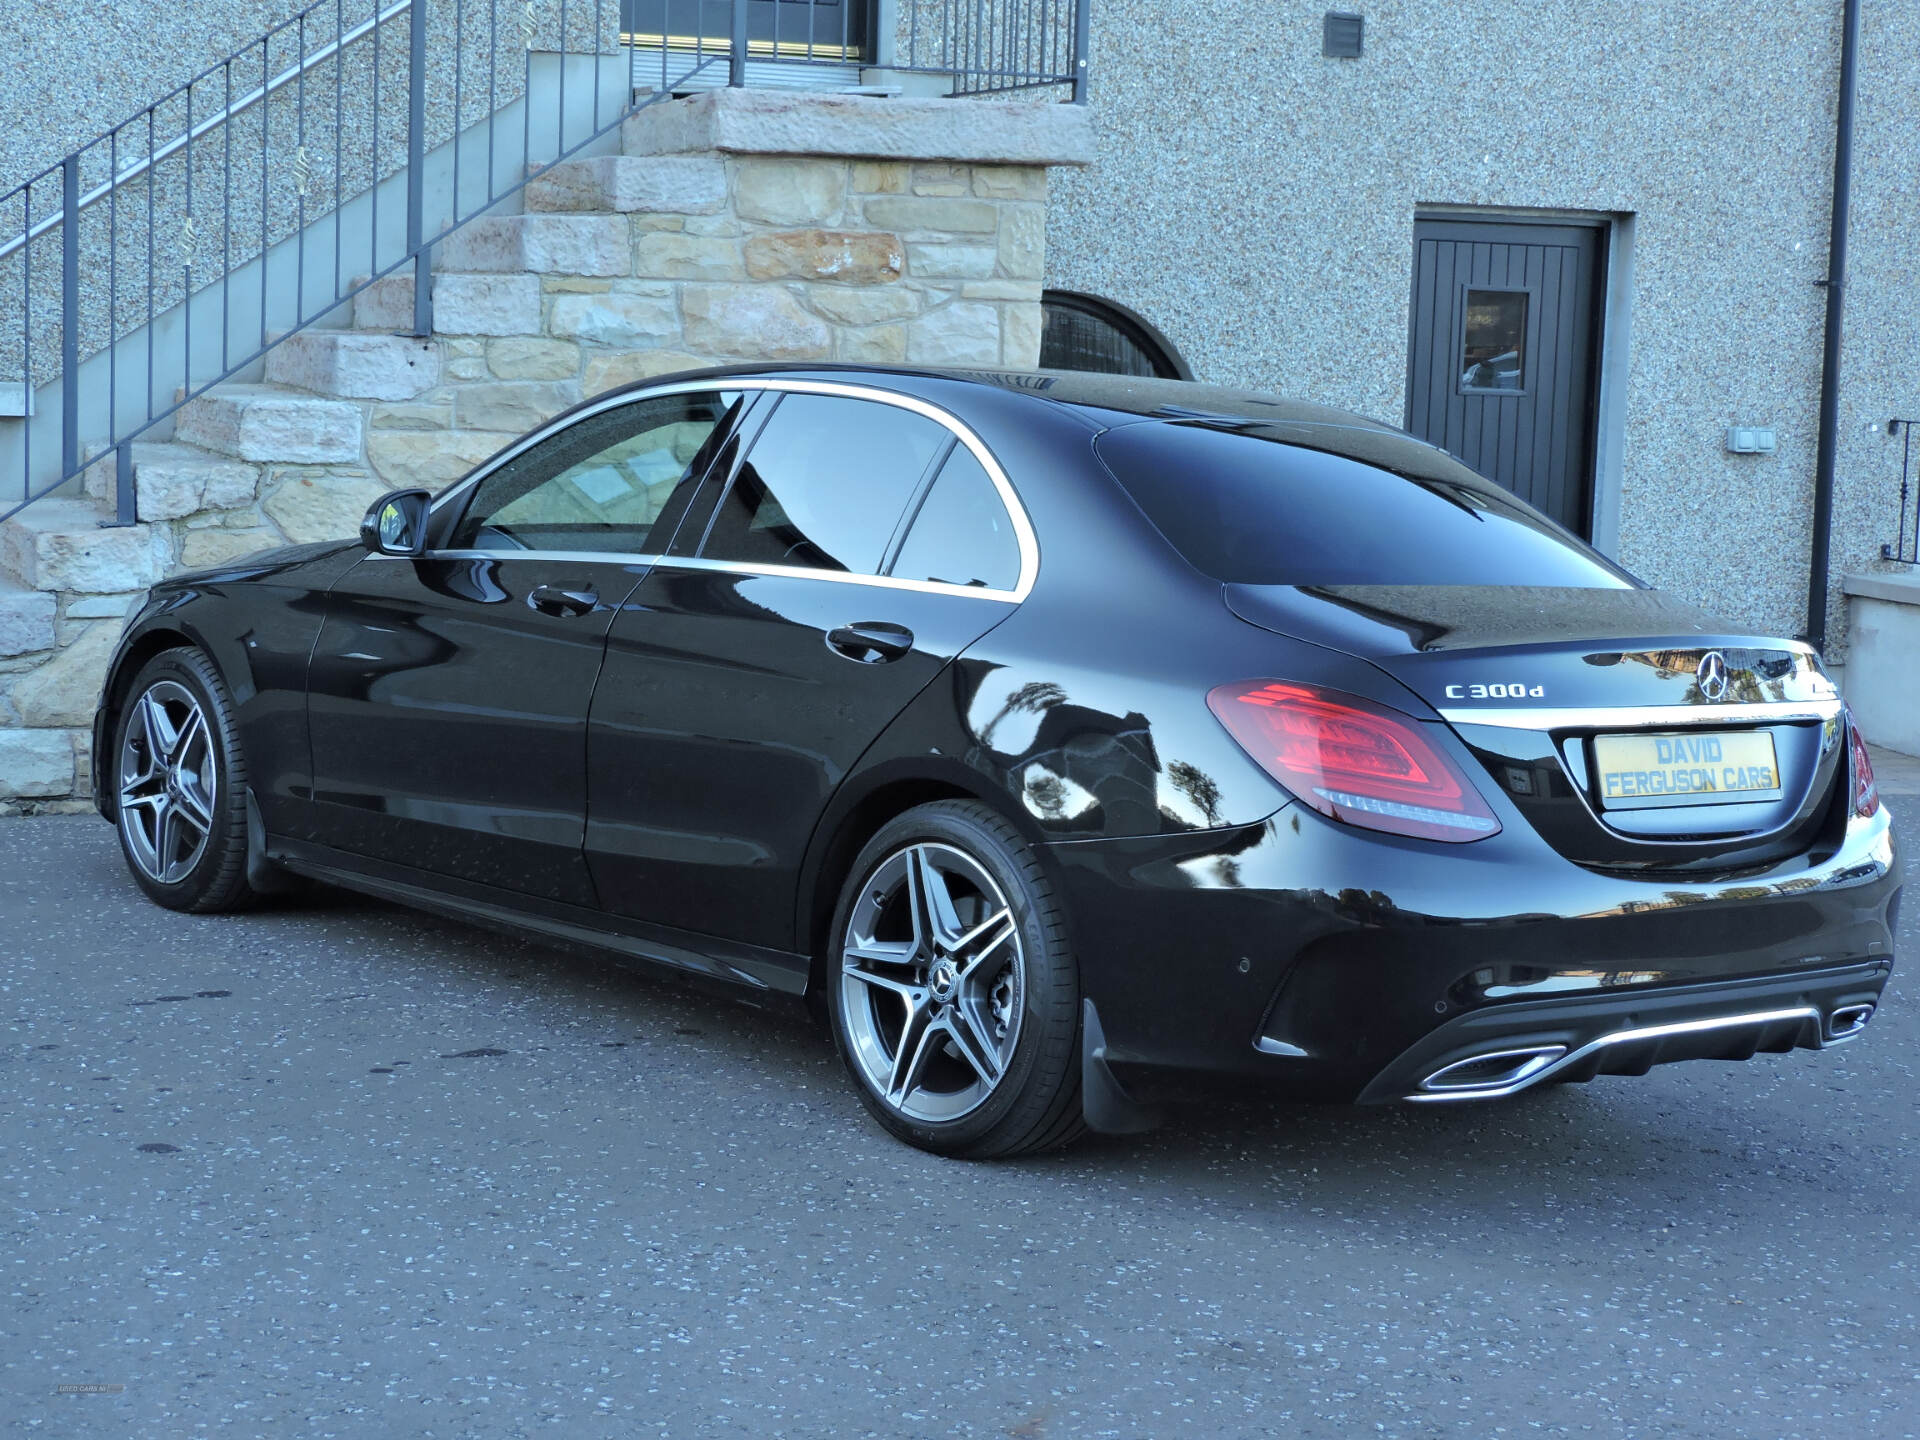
column 825, row 485
column 962, row 534
column 605, row 483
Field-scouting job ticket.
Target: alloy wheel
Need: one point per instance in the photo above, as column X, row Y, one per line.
column 932, row 982
column 168, row 782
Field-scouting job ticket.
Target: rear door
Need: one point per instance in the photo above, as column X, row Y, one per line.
column 861, row 543
column 448, row 694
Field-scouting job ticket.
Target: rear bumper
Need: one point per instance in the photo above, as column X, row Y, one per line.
column 1502, row 1049
column 1331, row 963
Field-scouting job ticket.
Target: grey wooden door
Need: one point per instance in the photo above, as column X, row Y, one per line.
column 1501, row 369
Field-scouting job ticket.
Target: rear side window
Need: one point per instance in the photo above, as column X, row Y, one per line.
column 962, row 534
column 825, row 485
column 1250, row 510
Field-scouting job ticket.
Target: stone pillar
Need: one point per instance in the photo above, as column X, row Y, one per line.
column 770, row 226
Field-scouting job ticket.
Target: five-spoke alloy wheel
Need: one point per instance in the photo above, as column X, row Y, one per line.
column 169, row 782
column 954, row 997
column 178, row 785
column 931, row 977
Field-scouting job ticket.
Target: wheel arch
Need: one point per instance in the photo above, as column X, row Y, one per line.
column 134, row 652
column 864, row 804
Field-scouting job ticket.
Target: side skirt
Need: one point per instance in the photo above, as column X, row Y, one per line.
column 727, row 965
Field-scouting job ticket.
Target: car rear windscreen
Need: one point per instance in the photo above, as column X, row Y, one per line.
column 1245, row 508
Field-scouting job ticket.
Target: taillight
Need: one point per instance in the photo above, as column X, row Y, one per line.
column 1353, row 760
column 1866, row 794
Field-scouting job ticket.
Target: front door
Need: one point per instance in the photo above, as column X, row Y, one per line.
column 448, row 694
column 1502, row 367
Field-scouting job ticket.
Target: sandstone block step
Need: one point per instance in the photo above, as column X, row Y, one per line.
column 355, row 365
column 59, row 544
column 171, row 480
column 35, row 764
column 267, row 423
column 537, row 244
column 386, row 304
column 630, row 184
column 26, row 619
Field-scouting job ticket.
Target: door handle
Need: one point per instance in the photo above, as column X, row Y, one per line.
column 871, row 642
column 558, row 600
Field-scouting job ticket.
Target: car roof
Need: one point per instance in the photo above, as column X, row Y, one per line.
column 1112, row 396
column 1103, row 402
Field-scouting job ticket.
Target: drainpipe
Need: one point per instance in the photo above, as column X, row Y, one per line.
column 1836, row 283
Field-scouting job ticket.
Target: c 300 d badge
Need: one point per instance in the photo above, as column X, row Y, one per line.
column 1711, row 672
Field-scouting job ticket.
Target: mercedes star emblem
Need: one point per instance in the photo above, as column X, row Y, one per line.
column 1712, row 675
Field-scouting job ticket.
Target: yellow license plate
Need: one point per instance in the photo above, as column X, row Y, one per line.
column 1636, row 771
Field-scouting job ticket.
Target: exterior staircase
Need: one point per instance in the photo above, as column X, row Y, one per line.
column 616, row 268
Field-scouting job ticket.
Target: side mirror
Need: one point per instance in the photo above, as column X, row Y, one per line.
column 397, row 523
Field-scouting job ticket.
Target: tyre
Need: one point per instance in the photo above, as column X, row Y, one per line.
column 180, row 786
column 954, row 996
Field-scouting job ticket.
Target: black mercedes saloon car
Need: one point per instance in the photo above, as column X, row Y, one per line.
column 1076, row 743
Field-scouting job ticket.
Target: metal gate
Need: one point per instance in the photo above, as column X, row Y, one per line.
column 1502, row 366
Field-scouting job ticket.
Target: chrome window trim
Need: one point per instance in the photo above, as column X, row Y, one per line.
column 581, row 557
column 1023, row 532
column 844, row 577
column 1638, row 717
column 693, row 562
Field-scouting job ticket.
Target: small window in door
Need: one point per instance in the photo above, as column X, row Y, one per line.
column 962, row 534
column 1493, row 356
column 825, row 485
column 605, row 483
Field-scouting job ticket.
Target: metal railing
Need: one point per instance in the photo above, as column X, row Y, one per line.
column 1906, row 545
column 174, row 251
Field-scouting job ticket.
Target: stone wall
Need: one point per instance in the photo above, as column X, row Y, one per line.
column 629, row 267
column 919, row 239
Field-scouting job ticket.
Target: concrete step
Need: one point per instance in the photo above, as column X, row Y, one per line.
column 540, row 244
column 26, row 618
column 270, row 423
column 355, row 364
column 628, row 184
column 59, row 544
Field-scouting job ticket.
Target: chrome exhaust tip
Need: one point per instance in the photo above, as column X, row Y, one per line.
column 1848, row 1021
column 1499, row 1072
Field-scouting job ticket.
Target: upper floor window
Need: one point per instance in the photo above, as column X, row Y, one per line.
column 1086, row 332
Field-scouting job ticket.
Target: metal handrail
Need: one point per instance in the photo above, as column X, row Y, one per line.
column 134, row 169
column 1906, row 547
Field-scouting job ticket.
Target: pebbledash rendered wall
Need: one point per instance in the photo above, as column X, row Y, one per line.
column 1257, row 202
column 71, row 72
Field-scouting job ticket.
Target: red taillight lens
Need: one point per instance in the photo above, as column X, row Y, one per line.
column 1353, row 760
column 1866, row 794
